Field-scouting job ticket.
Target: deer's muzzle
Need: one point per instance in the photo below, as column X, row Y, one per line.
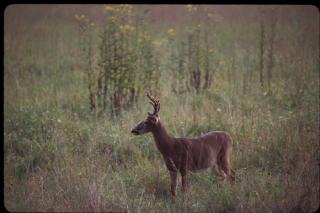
column 135, row 132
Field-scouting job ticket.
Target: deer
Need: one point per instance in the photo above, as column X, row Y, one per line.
column 208, row 151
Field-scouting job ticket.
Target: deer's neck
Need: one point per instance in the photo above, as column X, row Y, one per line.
column 163, row 141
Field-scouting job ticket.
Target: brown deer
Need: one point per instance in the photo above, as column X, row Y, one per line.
column 211, row 150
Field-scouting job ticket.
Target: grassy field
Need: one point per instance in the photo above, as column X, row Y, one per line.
column 58, row 156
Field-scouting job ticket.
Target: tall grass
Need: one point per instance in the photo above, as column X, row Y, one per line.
column 58, row 156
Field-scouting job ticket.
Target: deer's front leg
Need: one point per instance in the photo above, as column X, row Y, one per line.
column 173, row 176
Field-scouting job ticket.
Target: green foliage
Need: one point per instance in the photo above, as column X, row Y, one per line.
column 192, row 60
column 127, row 64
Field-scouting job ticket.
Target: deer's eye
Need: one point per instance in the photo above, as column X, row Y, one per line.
column 152, row 120
column 143, row 125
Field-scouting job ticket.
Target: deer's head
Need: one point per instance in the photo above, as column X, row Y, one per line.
column 152, row 120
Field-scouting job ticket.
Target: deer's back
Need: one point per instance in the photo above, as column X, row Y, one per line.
column 214, row 139
column 203, row 150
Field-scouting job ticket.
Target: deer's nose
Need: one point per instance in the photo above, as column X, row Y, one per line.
column 134, row 132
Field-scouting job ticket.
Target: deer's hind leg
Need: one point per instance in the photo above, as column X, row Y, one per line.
column 226, row 166
column 219, row 172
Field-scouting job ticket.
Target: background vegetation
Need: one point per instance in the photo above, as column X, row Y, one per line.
column 75, row 78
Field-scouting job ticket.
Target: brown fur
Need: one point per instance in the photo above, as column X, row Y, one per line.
column 211, row 150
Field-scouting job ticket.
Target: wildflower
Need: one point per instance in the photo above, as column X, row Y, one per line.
column 145, row 36
column 77, row 17
column 109, row 8
column 189, row 7
column 132, row 28
column 156, row 43
column 127, row 27
column 285, row 201
column 113, row 18
column 126, row 7
column 171, row 32
column 196, row 205
column 265, row 93
column 59, row 121
column 218, row 110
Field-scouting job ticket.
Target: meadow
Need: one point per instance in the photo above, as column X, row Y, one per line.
column 67, row 142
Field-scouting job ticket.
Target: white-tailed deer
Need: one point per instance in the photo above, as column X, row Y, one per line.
column 211, row 150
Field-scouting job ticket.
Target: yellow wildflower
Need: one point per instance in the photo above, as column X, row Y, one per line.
column 189, row 7
column 116, row 9
column 156, row 43
column 113, row 18
column 109, row 8
column 147, row 37
column 171, row 32
column 126, row 7
column 126, row 27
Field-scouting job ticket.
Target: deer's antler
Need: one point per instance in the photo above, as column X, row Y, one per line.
column 155, row 103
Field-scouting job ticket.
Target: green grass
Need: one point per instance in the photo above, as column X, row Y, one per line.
column 60, row 157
